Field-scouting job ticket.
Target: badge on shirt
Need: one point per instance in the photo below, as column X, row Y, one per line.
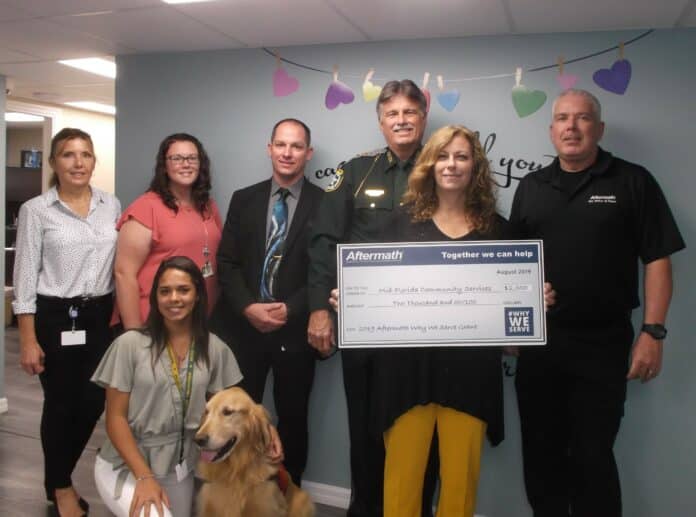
column 182, row 471
column 207, row 270
column 73, row 337
column 336, row 181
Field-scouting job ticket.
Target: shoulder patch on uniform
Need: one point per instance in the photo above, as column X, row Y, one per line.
column 372, row 153
column 335, row 181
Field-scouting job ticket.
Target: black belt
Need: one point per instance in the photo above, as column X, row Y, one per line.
column 77, row 301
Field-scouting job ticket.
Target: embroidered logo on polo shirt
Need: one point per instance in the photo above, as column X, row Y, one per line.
column 602, row 199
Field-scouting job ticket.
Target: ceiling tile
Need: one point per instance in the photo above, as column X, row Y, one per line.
column 46, row 8
column 12, row 11
column 572, row 16
column 11, row 56
column 408, row 19
column 260, row 23
column 56, row 42
column 51, row 73
column 689, row 16
column 151, row 30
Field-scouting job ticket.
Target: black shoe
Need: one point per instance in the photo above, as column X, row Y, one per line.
column 53, row 507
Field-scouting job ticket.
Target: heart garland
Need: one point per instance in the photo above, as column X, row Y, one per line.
column 525, row 100
column 370, row 91
column 338, row 93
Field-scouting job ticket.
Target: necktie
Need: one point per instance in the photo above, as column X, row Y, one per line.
column 401, row 181
column 274, row 244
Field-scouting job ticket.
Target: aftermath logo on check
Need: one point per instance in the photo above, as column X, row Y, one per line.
column 519, row 321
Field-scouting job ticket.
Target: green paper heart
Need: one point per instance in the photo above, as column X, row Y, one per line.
column 527, row 101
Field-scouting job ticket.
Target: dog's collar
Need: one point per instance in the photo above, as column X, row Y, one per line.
column 282, row 477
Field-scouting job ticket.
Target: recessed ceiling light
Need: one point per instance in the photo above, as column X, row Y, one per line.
column 185, row 1
column 12, row 116
column 93, row 106
column 95, row 65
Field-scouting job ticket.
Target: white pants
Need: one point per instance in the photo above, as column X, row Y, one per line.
column 180, row 493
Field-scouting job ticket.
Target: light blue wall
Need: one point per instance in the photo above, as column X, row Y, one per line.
column 225, row 98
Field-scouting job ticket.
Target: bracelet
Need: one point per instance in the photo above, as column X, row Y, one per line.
column 143, row 478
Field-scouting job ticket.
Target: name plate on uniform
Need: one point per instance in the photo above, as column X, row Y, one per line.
column 473, row 293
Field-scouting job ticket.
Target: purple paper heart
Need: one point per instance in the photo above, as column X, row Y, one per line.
column 283, row 83
column 338, row 93
column 616, row 79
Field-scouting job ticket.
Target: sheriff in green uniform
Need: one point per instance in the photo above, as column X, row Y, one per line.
column 355, row 206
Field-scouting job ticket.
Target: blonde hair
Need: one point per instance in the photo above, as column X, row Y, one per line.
column 421, row 196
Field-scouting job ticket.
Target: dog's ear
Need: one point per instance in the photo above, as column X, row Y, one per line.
column 260, row 421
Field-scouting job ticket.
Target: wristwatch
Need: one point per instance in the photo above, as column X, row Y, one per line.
column 656, row 330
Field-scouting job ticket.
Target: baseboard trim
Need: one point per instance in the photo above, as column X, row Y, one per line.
column 329, row 495
column 3, row 405
column 335, row 496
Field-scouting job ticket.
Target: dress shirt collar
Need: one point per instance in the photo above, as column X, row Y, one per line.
column 97, row 197
column 295, row 189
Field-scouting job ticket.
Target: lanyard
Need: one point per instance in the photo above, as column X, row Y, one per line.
column 184, row 390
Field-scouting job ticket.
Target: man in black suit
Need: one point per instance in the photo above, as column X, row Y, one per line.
column 262, row 267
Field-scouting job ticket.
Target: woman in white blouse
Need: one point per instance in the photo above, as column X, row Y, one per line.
column 63, row 286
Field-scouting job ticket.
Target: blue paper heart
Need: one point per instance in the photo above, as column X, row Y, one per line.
column 616, row 79
column 448, row 100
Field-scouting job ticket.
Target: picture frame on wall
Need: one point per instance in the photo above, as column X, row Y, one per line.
column 31, row 159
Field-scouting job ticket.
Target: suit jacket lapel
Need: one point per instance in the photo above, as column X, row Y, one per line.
column 259, row 213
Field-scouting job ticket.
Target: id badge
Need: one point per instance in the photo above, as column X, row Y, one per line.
column 207, row 270
column 73, row 337
column 182, row 471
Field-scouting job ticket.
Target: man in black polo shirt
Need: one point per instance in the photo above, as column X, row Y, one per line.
column 597, row 215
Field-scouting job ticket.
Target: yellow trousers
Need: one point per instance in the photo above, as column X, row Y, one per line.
column 407, row 445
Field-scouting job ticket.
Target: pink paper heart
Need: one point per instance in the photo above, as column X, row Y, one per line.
column 283, row 83
column 566, row 81
column 338, row 93
column 426, row 93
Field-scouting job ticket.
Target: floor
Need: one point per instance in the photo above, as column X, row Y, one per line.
column 21, row 459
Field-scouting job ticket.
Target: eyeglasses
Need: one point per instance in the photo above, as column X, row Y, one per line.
column 177, row 158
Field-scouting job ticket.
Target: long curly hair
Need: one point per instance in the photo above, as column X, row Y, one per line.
column 200, row 190
column 421, row 196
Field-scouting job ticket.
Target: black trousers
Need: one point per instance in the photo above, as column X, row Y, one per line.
column 293, row 376
column 571, row 395
column 72, row 403
column 367, row 445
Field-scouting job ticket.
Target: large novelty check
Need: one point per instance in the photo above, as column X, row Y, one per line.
column 441, row 294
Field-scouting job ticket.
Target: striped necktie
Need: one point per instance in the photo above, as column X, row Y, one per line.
column 274, row 244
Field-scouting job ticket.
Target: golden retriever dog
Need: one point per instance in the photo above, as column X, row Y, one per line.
column 240, row 479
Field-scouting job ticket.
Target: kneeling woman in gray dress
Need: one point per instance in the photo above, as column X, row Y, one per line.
column 156, row 381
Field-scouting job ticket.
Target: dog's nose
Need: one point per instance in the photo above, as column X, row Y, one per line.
column 201, row 441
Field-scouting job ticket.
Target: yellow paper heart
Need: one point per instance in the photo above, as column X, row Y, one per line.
column 370, row 91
